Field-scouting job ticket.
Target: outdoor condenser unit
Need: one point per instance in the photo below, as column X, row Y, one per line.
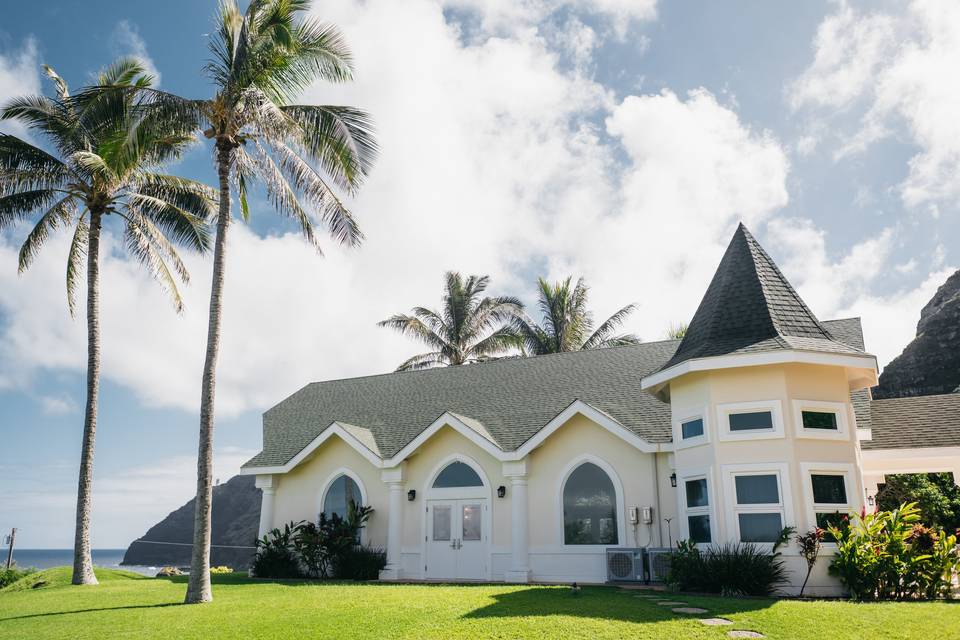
column 657, row 563
column 624, row 565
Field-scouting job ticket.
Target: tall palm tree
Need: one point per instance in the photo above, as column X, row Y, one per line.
column 567, row 324
column 105, row 150
column 468, row 328
column 262, row 59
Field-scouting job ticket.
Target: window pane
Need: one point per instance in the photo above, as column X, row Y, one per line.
column 457, row 474
column 760, row 527
column 341, row 493
column 441, row 523
column 819, row 420
column 829, row 489
column 692, row 428
column 825, row 520
column 751, row 421
column 697, row 493
column 757, row 489
column 699, row 528
column 589, row 507
column 471, row 522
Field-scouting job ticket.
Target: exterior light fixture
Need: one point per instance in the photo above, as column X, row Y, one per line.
column 673, row 480
column 412, row 495
column 501, row 491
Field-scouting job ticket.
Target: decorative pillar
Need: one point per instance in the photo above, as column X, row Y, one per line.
column 393, row 478
column 268, row 487
column 516, row 472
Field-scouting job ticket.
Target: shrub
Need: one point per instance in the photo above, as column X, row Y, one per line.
column 14, row 573
column 221, row 569
column 324, row 545
column 360, row 563
column 730, row 569
column 889, row 555
column 166, row 572
column 936, row 495
column 275, row 557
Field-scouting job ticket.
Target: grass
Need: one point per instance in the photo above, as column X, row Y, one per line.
column 127, row 605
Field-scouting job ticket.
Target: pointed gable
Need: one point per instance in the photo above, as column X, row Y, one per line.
column 749, row 307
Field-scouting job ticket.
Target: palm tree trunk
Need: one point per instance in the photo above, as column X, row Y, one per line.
column 82, row 560
column 198, row 587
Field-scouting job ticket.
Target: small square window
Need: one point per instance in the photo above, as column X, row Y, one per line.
column 757, row 489
column 699, row 527
column 760, row 527
column 751, row 421
column 829, row 489
column 819, row 420
column 697, row 493
column 691, row 428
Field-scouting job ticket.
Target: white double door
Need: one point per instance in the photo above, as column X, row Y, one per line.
column 456, row 539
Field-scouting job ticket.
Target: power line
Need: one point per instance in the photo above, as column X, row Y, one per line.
column 190, row 544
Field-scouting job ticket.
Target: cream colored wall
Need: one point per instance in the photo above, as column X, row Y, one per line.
column 299, row 496
column 783, row 383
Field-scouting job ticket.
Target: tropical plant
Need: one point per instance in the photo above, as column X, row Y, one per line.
column 276, row 555
column 323, row 546
column 106, row 147
column 737, row 569
column 9, row 575
column 676, row 330
column 809, row 545
column 936, row 494
column 467, row 328
column 262, row 60
column 890, row 555
column 567, row 324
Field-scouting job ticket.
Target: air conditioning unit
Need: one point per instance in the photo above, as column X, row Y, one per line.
column 657, row 563
column 624, row 565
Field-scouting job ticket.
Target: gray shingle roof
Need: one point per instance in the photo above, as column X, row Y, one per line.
column 916, row 421
column 750, row 307
column 507, row 401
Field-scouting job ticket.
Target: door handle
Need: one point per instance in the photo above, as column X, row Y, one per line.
column 453, row 543
column 459, row 544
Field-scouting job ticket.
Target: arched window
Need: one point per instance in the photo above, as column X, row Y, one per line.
column 457, row 474
column 340, row 493
column 589, row 507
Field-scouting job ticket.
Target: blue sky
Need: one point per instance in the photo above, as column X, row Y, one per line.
column 621, row 140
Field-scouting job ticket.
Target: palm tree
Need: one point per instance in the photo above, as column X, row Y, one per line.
column 676, row 330
column 262, row 59
column 567, row 324
column 105, row 150
column 467, row 329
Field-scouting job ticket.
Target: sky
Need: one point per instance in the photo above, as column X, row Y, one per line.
column 618, row 140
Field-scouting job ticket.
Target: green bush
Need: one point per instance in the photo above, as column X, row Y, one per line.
column 14, row 573
column 890, row 555
column 730, row 569
column 321, row 545
column 275, row 556
column 360, row 563
column 936, row 495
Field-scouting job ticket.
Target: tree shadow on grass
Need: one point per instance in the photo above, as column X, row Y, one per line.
column 606, row 603
column 90, row 610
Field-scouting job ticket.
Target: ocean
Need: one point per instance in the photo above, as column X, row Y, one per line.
column 46, row 558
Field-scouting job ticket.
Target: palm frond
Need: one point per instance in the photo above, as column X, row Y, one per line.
column 140, row 244
column 17, row 206
column 75, row 263
column 604, row 335
column 423, row 361
column 415, row 328
column 60, row 214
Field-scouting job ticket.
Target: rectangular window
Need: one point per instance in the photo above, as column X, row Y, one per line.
column 698, row 510
column 691, row 428
column 470, row 525
column 758, row 506
column 819, row 420
column 828, row 489
column 759, row 489
column 760, row 527
column 751, row 421
column 441, row 524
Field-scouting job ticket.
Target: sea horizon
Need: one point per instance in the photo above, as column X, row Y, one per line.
column 46, row 558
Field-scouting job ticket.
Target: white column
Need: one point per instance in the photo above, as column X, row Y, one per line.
column 519, row 521
column 268, row 486
column 393, row 478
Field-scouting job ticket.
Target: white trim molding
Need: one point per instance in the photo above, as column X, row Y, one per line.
column 591, row 413
column 457, row 493
column 607, row 468
column 775, row 407
column 783, row 506
column 448, row 419
column 683, row 417
column 334, row 429
column 862, row 368
column 838, row 409
column 684, row 511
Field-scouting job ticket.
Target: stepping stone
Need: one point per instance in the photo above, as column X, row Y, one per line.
column 669, row 603
column 715, row 622
column 690, row 610
column 745, row 634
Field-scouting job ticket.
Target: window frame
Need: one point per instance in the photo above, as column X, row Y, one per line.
column 839, row 409
column 775, row 407
column 681, row 417
column 325, row 489
column 843, row 469
column 784, row 506
column 560, row 525
column 687, row 511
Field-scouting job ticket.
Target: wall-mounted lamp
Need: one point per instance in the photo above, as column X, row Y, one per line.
column 870, row 500
column 501, row 491
column 412, row 495
column 673, row 479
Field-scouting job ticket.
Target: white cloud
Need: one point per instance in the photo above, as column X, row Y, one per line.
column 19, row 76
column 126, row 41
column 904, row 69
column 511, row 16
column 57, row 405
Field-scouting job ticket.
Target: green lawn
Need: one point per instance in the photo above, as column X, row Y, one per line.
column 125, row 605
